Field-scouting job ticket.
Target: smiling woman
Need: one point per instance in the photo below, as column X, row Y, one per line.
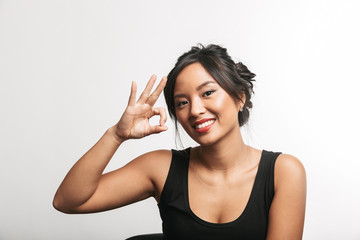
column 221, row 189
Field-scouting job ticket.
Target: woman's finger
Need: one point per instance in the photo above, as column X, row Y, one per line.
column 162, row 113
column 132, row 97
column 146, row 93
column 163, row 116
column 155, row 95
column 158, row 129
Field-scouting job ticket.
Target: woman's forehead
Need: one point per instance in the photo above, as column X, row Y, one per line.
column 193, row 76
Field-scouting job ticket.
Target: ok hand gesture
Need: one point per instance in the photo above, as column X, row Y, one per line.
column 134, row 122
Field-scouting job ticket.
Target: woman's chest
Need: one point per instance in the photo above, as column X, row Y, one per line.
column 220, row 202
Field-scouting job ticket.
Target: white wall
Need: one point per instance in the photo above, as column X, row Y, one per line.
column 66, row 68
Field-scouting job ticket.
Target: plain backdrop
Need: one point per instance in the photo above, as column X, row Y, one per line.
column 66, row 68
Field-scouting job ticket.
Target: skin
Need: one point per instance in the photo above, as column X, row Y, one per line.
column 222, row 168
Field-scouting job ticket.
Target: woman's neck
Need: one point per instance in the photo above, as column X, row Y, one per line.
column 224, row 155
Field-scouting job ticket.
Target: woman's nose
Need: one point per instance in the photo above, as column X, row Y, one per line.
column 197, row 107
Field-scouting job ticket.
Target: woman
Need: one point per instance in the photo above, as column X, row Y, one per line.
column 221, row 189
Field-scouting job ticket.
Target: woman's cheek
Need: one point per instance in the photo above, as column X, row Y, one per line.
column 222, row 101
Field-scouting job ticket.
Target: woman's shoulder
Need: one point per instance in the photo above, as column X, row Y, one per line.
column 155, row 165
column 287, row 162
column 160, row 158
column 154, row 158
column 289, row 171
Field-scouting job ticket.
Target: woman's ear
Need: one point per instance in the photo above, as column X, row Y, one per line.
column 241, row 102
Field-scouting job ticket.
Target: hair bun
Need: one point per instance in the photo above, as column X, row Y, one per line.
column 244, row 72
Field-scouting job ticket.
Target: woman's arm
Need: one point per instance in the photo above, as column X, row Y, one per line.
column 86, row 189
column 287, row 212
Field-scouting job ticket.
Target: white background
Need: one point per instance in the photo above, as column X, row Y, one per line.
column 66, row 69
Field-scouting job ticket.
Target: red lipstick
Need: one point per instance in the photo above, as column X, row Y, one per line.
column 207, row 124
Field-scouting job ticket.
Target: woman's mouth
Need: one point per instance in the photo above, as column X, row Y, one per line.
column 204, row 126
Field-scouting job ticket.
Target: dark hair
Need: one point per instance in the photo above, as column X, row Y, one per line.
column 234, row 78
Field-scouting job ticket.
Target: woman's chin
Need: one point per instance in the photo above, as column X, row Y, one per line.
column 205, row 141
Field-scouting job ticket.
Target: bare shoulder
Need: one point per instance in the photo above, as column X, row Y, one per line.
column 152, row 161
column 288, row 169
column 155, row 166
column 156, row 156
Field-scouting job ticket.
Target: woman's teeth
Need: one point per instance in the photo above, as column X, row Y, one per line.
column 207, row 123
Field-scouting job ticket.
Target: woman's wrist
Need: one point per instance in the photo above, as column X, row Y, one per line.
column 112, row 132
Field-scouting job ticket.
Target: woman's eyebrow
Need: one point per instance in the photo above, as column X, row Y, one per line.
column 179, row 95
column 203, row 85
column 197, row 89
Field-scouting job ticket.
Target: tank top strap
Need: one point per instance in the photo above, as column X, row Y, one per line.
column 266, row 176
column 173, row 189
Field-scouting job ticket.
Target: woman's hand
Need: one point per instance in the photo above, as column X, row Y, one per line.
column 134, row 122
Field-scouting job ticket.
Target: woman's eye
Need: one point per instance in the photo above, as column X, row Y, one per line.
column 181, row 103
column 207, row 93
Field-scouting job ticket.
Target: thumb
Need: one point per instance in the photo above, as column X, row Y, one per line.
column 158, row 128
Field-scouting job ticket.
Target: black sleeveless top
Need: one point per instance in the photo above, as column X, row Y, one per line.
column 179, row 222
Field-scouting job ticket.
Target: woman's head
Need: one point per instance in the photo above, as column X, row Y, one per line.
column 234, row 78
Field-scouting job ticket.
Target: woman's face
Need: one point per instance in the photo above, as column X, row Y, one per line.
column 203, row 108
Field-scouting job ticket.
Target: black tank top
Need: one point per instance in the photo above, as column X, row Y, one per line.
column 179, row 222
